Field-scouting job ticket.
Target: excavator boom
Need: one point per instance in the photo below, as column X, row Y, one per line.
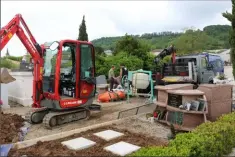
column 165, row 52
column 34, row 49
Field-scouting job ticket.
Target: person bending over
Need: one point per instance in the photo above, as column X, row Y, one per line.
column 112, row 80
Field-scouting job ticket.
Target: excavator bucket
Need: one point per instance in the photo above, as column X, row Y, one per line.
column 5, row 77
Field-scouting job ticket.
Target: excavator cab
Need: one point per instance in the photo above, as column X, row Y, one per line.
column 68, row 82
column 69, row 71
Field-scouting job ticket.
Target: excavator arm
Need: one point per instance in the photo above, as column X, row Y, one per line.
column 165, row 52
column 35, row 50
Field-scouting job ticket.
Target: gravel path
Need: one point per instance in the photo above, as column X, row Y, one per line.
column 142, row 125
column 109, row 112
column 232, row 153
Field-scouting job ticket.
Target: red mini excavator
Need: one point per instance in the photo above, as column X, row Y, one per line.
column 63, row 76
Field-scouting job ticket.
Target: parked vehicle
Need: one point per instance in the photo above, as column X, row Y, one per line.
column 194, row 68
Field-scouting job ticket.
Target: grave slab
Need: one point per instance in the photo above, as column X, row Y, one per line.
column 122, row 148
column 78, row 143
column 108, row 134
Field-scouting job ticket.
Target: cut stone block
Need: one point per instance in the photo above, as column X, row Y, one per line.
column 122, row 148
column 78, row 143
column 108, row 134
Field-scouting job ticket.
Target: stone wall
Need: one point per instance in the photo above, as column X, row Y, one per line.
column 20, row 91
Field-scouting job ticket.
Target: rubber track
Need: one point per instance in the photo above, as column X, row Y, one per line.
column 47, row 118
column 28, row 116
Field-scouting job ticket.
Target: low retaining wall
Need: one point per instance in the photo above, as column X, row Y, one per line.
column 20, row 91
column 4, row 95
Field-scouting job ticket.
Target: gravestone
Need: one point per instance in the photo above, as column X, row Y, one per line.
column 101, row 84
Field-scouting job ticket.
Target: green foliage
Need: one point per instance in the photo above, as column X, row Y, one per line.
column 5, row 63
column 228, row 118
column 217, row 38
column 219, row 35
column 106, row 42
column 83, row 36
column 132, row 46
column 103, row 64
column 99, row 50
column 149, row 62
column 208, row 139
column 129, row 47
column 159, row 65
column 221, row 77
column 231, row 17
column 193, row 41
column 212, row 37
column 100, row 66
column 14, row 58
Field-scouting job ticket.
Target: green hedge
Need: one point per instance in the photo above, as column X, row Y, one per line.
column 208, row 139
column 4, row 63
column 15, row 58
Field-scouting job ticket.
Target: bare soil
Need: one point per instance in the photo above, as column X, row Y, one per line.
column 109, row 112
column 10, row 125
column 55, row 148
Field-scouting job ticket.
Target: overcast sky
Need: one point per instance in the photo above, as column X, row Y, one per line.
column 55, row 20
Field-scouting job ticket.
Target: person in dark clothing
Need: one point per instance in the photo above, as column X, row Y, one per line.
column 123, row 71
column 112, row 80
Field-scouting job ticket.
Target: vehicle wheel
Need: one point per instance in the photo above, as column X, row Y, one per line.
column 88, row 114
column 53, row 122
column 195, row 86
column 211, row 82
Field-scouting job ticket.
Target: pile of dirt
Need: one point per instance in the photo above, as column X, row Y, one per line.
column 55, row 148
column 10, row 125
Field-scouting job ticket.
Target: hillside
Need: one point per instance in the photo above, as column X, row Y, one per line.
column 216, row 38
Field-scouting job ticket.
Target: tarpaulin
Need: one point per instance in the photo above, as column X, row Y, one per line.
column 5, row 148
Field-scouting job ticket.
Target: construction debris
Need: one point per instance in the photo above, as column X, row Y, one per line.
column 10, row 127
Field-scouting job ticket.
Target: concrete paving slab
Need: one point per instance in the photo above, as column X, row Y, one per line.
column 108, row 134
column 122, row 148
column 78, row 143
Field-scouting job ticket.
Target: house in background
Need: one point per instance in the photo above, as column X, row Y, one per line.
column 225, row 55
column 156, row 51
column 108, row 52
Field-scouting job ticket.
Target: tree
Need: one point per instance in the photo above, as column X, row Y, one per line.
column 192, row 41
column 132, row 46
column 99, row 50
column 83, row 36
column 7, row 53
column 231, row 17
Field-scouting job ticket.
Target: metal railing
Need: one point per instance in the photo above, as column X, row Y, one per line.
column 134, row 108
